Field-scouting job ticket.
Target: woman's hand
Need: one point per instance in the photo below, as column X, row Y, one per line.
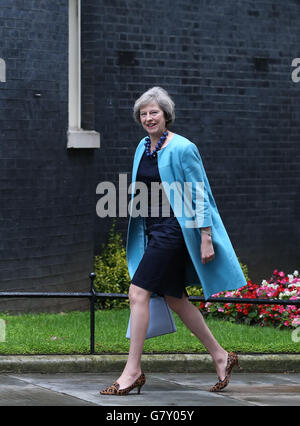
column 207, row 249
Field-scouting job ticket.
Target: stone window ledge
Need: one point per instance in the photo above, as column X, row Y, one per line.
column 83, row 138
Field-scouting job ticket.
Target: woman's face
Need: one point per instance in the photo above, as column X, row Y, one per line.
column 153, row 119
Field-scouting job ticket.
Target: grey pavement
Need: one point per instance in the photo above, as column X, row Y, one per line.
column 171, row 380
column 160, row 390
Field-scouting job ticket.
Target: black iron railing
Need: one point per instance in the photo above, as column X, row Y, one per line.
column 92, row 295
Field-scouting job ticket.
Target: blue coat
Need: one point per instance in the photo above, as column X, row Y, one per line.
column 180, row 162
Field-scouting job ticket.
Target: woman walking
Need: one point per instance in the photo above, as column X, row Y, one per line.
column 166, row 253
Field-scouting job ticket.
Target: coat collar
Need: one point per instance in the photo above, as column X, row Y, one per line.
column 140, row 151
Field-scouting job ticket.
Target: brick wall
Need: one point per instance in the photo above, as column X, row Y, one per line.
column 47, row 208
column 228, row 67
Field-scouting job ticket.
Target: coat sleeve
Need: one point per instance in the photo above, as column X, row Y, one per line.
column 196, row 188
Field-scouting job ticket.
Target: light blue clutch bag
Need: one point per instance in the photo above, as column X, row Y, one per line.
column 161, row 320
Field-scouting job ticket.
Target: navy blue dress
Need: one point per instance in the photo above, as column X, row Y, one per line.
column 162, row 268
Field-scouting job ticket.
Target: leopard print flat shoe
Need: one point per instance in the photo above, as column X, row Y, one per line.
column 232, row 360
column 114, row 389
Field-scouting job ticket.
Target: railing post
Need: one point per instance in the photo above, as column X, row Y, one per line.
column 92, row 313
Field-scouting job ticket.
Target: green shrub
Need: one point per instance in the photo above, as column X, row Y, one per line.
column 111, row 271
column 245, row 270
column 195, row 291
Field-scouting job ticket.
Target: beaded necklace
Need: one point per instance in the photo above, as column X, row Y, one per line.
column 153, row 154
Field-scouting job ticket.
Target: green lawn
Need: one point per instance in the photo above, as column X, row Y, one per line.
column 68, row 333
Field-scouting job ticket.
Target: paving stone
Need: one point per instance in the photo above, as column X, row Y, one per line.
column 161, row 390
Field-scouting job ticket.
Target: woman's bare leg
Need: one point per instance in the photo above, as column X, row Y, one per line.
column 139, row 309
column 193, row 319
